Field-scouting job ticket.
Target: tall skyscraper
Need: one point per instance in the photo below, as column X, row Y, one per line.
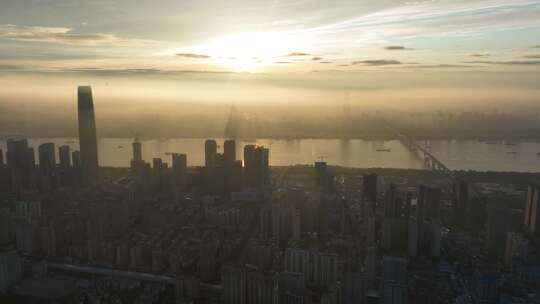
column 18, row 154
column 370, row 191
column 137, row 151
column 210, row 151
column 47, row 157
column 229, row 150
column 429, row 201
column 532, row 210
column 65, row 156
column 76, row 157
column 460, row 200
column 249, row 164
column 179, row 167
column 394, row 285
column 87, row 133
column 499, row 222
column 261, row 163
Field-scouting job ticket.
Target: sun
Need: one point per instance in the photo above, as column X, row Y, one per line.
column 249, row 51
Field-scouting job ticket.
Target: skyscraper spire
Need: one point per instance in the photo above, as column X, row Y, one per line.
column 87, row 134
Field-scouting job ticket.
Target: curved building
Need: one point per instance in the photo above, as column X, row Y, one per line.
column 87, row 134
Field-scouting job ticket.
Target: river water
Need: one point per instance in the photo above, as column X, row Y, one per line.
column 456, row 154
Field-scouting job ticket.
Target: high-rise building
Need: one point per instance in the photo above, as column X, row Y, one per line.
column 319, row 269
column 234, row 285
column 392, row 203
column 229, row 150
column 137, row 151
column 179, row 167
column 234, row 176
column 65, row 156
column 429, row 203
column 395, row 281
column 412, row 237
column 87, row 134
column 249, row 285
column 354, row 289
column 17, row 155
column 394, row 234
column 256, row 166
column 21, row 161
column 30, row 158
column 157, row 164
column 532, row 210
column 370, row 191
column 210, row 151
column 499, row 222
column 10, row 270
column 371, row 263
column 296, row 225
column 76, row 157
column 47, row 157
column 292, row 288
column 1, row 157
column 262, row 163
column 460, row 200
column 249, row 164
column 517, row 246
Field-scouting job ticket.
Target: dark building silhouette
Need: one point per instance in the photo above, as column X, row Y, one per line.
column 324, row 177
column 137, row 151
column 21, row 161
column 87, row 133
column 64, row 154
column 370, row 190
column 233, row 127
column 1, row 157
column 531, row 216
column 235, row 175
column 30, row 158
column 229, row 150
column 429, row 201
column 256, row 162
column 460, row 200
column 393, row 203
column 179, row 167
column 47, row 157
column 19, row 155
column 210, row 151
column 499, row 222
column 76, row 158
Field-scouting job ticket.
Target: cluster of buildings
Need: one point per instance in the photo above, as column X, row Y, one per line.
column 237, row 231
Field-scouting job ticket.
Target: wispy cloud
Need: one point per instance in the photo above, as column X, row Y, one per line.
column 9, row 67
column 379, row 62
column 397, row 48
column 193, row 56
column 537, row 56
column 437, row 19
column 480, row 55
column 436, row 66
column 62, row 35
column 297, row 54
column 316, row 58
column 513, row 62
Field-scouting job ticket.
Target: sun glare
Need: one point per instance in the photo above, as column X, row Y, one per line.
column 249, row 51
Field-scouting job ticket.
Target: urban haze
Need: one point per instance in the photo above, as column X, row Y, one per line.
column 270, row 152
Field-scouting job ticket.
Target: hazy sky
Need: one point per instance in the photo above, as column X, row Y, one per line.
column 189, row 49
